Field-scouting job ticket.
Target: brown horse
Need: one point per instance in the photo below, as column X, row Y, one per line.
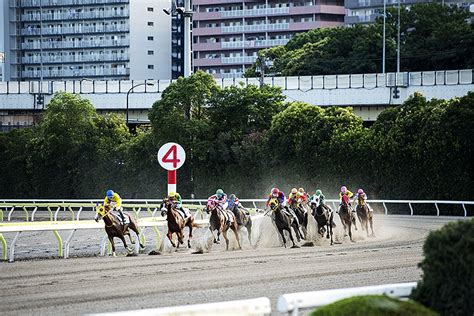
column 346, row 216
column 176, row 223
column 365, row 216
column 284, row 221
column 218, row 221
column 115, row 228
column 324, row 217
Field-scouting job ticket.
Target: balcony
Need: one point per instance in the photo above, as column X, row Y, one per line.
column 76, row 44
column 75, row 30
column 74, row 59
column 239, row 60
column 76, row 73
column 74, row 16
column 255, row 43
column 255, row 28
column 54, row 3
column 255, row 12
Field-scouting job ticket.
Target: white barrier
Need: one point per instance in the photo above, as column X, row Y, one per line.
column 252, row 307
column 292, row 303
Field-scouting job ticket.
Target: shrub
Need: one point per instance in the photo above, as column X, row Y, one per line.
column 372, row 305
column 447, row 285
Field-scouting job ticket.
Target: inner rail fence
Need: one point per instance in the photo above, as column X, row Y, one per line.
column 304, row 83
column 15, row 209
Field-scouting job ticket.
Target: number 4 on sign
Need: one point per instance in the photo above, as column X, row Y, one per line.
column 174, row 160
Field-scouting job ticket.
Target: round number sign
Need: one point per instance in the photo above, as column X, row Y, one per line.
column 171, row 156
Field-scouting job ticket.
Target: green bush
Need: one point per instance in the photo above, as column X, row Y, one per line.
column 372, row 305
column 448, row 270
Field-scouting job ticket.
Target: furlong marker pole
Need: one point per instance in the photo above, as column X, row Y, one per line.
column 171, row 181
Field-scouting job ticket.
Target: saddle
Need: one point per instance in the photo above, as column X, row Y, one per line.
column 184, row 214
column 117, row 215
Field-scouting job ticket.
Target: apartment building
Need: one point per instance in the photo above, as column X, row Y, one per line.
column 93, row 39
column 366, row 11
column 227, row 34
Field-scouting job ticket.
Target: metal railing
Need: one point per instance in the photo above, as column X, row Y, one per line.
column 75, row 58
column 256, row 27
column 255, row 12
column 74, row 30
column 45, row 3
column 61, row 16
column 303, row 83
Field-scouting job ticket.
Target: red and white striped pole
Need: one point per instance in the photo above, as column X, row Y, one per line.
column 171, row 181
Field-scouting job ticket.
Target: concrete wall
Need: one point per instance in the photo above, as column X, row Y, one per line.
column 140, row 45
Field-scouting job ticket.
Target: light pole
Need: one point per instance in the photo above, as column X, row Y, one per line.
column 383, row 46
column 187, row 13
column 398, row 41
column 128, row 93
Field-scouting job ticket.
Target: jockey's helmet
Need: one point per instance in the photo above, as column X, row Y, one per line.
column 172, row 194
column 360, row 191
column 343, row 189
column 275, row 191
column 294, row 191
column 219, row 193
column 301, row 190
column 318, row 192
column 109, row 193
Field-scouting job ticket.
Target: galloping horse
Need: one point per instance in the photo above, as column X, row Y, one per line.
column 115, row 228
column 218, row 221
column 284, row 221
column 364, row 215
column 176, row 223
column 246, row 220
column 346, row 216
column 324, row 218
column 302, row 215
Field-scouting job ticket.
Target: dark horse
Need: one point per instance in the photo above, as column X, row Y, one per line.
column 324, row 217
column 218, row 221
column 115, row 228
column 365, row 216
column 176, row 223
column 246, row 220
column 346, row 216
column 302, row 215
column 284, row 221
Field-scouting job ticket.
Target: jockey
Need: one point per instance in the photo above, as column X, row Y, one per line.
column 175, row 197
column 115, row 201
column 293, row 196
column 221, row 199
column 277, row 194
column 302, row 196
column 362, row 196
column 349, row 194
column 234, row 205
column 282, row 200
column 319, row 195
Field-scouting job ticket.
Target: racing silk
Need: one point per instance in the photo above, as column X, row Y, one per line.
column 298, row 197
column 176, row 199
column 361, row 197
column 221, row 201
column 235, row 202
column 348, row 193
column 115, row 201
column 281, row 199
column 322, row 198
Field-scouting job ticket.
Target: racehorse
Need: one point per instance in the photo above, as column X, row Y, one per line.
column 365, row 216
column 347, row 218
column 115, row 228
column 176, row 223
column 246, row 220
column 302, row 215
column 219, row 221
column 284, row 221
column 324, row 217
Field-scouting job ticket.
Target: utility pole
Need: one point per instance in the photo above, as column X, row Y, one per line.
column 383, row 46
column 187, row 38
column 398, row 41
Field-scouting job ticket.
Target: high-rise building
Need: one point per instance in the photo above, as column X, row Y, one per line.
column 227, row 34
column 366, row 11
column 96, row 39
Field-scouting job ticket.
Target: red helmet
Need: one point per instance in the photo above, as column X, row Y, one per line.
column 275, row 191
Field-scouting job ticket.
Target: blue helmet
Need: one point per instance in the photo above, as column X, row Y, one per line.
column 110, row 193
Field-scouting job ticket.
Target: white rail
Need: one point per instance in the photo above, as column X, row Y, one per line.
column 254, row 307
column 292, row 303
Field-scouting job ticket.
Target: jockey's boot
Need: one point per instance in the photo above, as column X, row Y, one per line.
column 238, row 218
column 122, row 216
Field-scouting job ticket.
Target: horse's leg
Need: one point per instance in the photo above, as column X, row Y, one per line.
column 224, row 233
column 353, row 219
column 135, row 229
column 330, row 223
column 361, row 221
column 350, row 232
column 372, row 225
column 124, row 243
column 190, row 236
column 111, row 239
column 249, row 231
column 343, row 224
column 234, row 229
column 170, row 237
column 214, row 236
column 292, row 240
column 280, row 230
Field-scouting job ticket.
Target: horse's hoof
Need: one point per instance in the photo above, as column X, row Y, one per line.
column 131, row 254
column 154, row 253
column 295, row 246
column 114, row 254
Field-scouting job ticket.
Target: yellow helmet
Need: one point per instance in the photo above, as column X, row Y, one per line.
column 172, row 194
column 294, row 191
column 301, row 190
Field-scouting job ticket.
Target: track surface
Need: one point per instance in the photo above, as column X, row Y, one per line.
column 98, row 284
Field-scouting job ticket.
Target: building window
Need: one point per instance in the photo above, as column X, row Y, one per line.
column 150, row 52
column 151, row 67
column 149, row 9
column 150, row 23
column 150, row 38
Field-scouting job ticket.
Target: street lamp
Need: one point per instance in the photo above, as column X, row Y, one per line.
column 130, row 90
column 187, row 13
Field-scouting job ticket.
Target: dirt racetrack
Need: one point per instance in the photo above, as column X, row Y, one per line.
column 88, row 283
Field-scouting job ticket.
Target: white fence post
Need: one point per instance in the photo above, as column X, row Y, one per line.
column 411, row 209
